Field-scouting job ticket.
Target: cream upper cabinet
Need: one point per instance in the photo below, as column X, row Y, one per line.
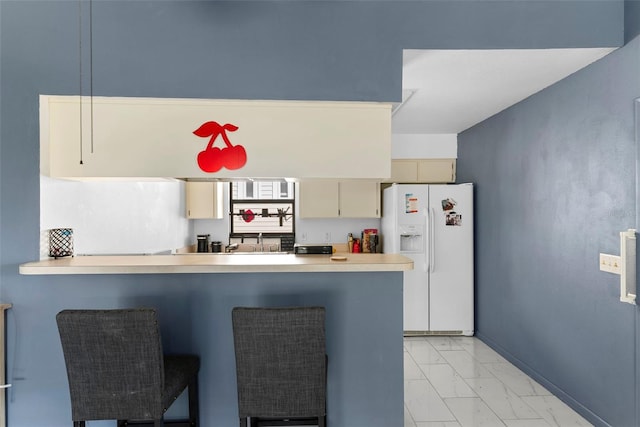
column 404, row 171
column 359, row 199
column 437, row 170
column 431, row 171
column 319, row 199
column 204, row 200
column 344, row 199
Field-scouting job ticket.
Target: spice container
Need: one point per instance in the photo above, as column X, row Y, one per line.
column 356, row 246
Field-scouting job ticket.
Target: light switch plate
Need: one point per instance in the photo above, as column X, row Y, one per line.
column 610, row 263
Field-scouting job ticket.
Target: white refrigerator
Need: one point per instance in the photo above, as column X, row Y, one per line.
column 433, row 225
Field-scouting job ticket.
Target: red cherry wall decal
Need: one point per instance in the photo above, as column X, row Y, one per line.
column 234, row 157
column 212, row 159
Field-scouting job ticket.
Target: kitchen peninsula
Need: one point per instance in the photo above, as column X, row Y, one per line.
column 362, row 295
column 218, row 263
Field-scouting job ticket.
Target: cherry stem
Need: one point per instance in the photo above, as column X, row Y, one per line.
column 219, row 131
column 226, row 139
column 210, row 144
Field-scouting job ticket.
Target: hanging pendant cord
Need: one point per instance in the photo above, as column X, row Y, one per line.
column 90, row 72
column 91, row 66
column 80, row 70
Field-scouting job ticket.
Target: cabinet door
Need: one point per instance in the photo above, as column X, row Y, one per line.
column 437, row 170
column 403, row 171
column 359, row 199
column 204, row 200
column 318, row 199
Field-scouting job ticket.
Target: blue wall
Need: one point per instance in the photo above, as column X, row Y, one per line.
column 631, row 19
column 555, row 179
column 331, row 50
column 195, row 316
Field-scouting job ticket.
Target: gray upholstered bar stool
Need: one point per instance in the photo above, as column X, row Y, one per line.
column 117, row 370
column 281, row 365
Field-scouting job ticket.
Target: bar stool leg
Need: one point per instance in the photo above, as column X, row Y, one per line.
column 194, row 409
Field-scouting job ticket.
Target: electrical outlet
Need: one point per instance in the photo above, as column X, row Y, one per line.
column 610, row 263
column 303, row 237
column 327, row 237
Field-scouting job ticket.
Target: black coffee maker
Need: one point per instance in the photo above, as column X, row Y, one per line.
column 203, row 243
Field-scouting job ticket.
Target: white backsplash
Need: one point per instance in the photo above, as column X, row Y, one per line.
column 115, row 217
column 315, row 230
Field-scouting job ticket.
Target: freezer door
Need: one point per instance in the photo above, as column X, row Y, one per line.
column 411, row 203
column 451, row 258
column 404, row 225
column 416, row 296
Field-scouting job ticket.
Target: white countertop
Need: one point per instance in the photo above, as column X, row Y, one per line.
column 217, row 263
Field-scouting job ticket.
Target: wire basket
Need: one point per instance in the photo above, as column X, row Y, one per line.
column 60, row 242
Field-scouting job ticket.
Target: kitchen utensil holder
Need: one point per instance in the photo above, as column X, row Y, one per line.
column 60, row 242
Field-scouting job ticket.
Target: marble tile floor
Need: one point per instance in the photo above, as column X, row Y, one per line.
column 461, row 382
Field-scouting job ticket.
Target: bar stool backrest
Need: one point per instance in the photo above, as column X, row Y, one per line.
column 114, row 363
column 280, row 361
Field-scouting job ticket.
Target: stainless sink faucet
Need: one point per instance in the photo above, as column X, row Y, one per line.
column 261, row 242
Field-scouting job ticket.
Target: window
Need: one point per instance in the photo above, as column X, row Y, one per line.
column 284, row 189
column 262, row 207
column 248, row 190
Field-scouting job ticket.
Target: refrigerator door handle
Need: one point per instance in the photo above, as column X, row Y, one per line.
column 427, row 247
column 432, row 239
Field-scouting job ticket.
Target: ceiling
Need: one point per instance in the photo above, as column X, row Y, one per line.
column 448, row 91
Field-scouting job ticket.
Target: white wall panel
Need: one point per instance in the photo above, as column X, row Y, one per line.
column 112, row 217
column 424, row 146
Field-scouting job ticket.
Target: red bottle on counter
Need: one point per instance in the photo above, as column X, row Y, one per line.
column 356, row 246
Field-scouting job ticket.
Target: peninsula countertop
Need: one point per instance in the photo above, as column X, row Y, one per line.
column 217, row 263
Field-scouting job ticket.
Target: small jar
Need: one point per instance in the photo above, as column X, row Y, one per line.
column 203, row 243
